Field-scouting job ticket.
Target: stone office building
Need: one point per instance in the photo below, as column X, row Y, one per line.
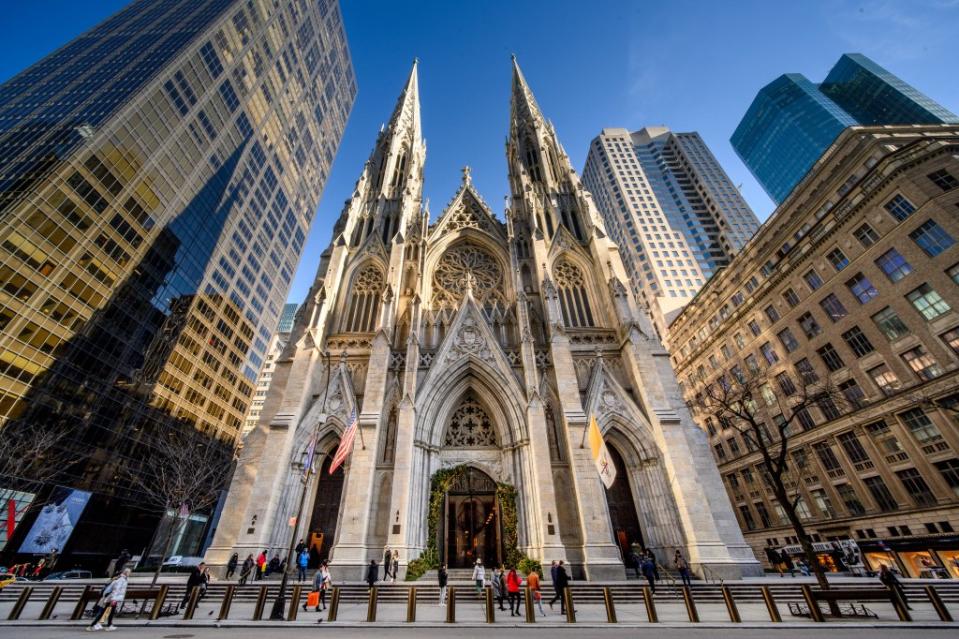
column 855, row 280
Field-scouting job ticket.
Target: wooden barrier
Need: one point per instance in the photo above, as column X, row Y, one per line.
column 191, row 603
column 610, row 606
column 937, row 603
column 731, row 605
column 371, row 604
column 814, row 612
column 89, row 593
column 690, row 605
column 51, row 602
column 650, row 605
column 451, row 605
column 260, row 604
column 833, row 597
column 158, row 600
column 570, row 611
column 490, row 607
column 528, row 601
column 334, row 604
column 771, row 606
column 227, row 602
column 411, row 605
column 21, row 603
column 294, row 602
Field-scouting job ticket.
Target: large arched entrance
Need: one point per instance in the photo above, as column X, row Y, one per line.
column 622, row 508
column 472, row 522
column 326, row 510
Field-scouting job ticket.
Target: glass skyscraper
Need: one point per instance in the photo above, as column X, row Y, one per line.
column 792, row 121
column 158, row 178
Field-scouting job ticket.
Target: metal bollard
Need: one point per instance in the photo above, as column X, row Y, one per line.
column 191, row 603
column 490, row 608
column 937, row 603
column 51, row 602
column 650, row 605
column 371, row 604
column 731, row 605
column 294, row 602
column 227, row 602
column 451, row 605
column 814, row 612
column 528, row 601
column 771, row 606
column 570, row 613
column 334, row 604
column 82, row 603
column 690, row 605
column 159, row 601
column 411, row 605
column 610, row 606
column 21, row 602
column 260, row 604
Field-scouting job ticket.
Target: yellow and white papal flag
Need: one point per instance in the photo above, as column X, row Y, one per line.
column 604, row 465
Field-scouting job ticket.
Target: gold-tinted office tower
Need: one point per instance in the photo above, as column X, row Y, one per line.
column 158, row 178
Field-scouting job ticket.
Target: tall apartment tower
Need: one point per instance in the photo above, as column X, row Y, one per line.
column 792, row 121
column 672, row 209
column 158, row 177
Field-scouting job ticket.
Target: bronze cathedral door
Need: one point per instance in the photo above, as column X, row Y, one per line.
column 471, row 523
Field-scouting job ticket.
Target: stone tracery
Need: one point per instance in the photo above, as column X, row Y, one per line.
column 450, row 277
column 470, row 426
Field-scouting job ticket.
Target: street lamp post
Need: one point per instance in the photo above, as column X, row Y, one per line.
column 279, row 605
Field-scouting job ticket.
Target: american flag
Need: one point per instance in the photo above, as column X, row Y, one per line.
column 346, row 444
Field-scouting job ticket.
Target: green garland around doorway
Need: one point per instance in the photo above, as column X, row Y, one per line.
column 440, row 484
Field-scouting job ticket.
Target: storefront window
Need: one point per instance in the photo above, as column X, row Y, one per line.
column 921, row 564
column 876, row 560
column 950, row 559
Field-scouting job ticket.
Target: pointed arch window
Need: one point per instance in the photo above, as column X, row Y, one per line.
column 399, row 175
column 571, row 221
column 532, row 160
column 470, row 426
column 571, row 286
column 364, row 300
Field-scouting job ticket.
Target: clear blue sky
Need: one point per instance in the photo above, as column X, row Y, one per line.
column 593, row 64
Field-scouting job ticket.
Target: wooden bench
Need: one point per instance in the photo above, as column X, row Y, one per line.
column 813, row 597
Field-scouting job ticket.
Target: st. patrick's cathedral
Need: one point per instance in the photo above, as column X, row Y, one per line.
column 473, row 352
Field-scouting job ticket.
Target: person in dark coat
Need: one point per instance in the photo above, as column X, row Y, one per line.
column 231, row 565
column 649, row 571
column 560, row 583
column 635, row 563
column 121, row 562
column 889, row 580
column 197, row 579
column 249, row 565
column 442, row 577
column 387, row 560
column 372, row 572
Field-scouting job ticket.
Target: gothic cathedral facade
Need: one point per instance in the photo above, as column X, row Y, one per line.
column 476, row 350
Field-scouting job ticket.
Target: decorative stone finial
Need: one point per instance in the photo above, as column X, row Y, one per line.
column 470, row 281
column 467, row 175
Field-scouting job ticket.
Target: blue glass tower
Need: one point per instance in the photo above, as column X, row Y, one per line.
column 792, row 121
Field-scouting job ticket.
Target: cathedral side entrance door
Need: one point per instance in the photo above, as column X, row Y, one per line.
column 326, row 510
column 472, row 526
column 622, row 509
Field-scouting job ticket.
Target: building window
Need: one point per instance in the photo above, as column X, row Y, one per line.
column 833, row 307
column 812, row 279
column 894, row 265
column 830, row 357
column 949, row 469
column 880, row 492
column 827, row 457
column 786, row 384
column 916, row 486
column 866, row 236
column 944, row 180
column 928, row 302
column 740, row 342
column 899, row 208
column 807, row 374
column 733, row 446
column 751, row 363
column 747, row 516
column 853, row 447
column 769, row 352
column 754, row 327
column 364, row 300
column 838, row 259
column 885, row 379
column 922, row 363
column 810, row 327
column 763, row 513
column 572, row 295
column 951, row 338
column 852, row 391
column 805, row 419
column 953, row 272
column 861, row 288
column 932, row 238
column 890, row 324
column 791, row 298
column 772, row 314
column 850, row 499
column 720, row 451
column 858, row 342
column 920, row 426
column 828, row 407
column 788, row 341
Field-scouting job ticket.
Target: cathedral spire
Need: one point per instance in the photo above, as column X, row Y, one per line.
column 405, row 120
column 523, row 105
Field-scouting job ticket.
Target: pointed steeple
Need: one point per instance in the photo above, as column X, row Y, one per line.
column 405, row 121
column 523, row 105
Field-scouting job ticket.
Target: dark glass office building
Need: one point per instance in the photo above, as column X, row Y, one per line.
column 792, row 121
column 158, row 178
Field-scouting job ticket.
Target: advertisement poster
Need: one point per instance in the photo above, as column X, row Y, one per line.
column 15, row 504
column 54, row 525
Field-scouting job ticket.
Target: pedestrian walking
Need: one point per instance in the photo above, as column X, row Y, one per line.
column 261, row 565
column 635, row 563
column 499, row 586
column 803, row 567
column 302, row 561
column 197, row 579
column 560, row 583
column 394, row 565
column 535, row 588
column 788, row 564
column 248, row 565
column 682, row 567
column 649, row 571
column 889, row 580
column 513, row 582
column 327, row 582
column 321, row 579
column 372, row 572
column 100, row 608
column 442, row 577
column 387, row 561
column 231, row 565
column 112, row 599
column 479, row 576
column 652, row 559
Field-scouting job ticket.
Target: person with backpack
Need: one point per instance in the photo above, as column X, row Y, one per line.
column 110, row 600
column 302, row 561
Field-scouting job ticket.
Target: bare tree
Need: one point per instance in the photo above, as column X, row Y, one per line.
column 181, row 471
column 736, row 400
